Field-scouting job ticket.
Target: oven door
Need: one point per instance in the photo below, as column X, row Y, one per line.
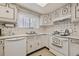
column 57, row 42
column 60, row 45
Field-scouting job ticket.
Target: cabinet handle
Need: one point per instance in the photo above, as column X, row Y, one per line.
column 7, row 11
column 30, row 46
column 0, row 42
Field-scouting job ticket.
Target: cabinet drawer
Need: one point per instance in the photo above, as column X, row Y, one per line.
column 1, row 51
column 6, row 12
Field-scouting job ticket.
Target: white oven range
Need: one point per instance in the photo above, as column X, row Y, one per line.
column 59, row 45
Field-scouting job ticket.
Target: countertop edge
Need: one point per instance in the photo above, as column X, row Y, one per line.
column 16, row 36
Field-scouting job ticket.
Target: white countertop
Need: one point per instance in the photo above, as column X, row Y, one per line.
column 16, row 36
column 70, row 37
column 27, row 35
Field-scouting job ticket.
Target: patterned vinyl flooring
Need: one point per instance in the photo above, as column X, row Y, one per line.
column 43, row 52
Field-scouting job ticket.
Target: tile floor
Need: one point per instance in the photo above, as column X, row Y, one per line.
column 43, row 52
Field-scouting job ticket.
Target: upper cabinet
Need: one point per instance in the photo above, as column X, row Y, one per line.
column 59, row 14
column 7, row 14
column 45, row 20
column 62, row 13
column 75, row 12
column 66, row 10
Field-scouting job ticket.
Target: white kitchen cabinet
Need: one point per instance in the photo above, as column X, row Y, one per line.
column 45, row 40
column 7, row 14
column 74, row 47
column 45, row 20
column 39, row 43
column 15, row 47
column 66, row 10
column 35, row 42
column 31, row 44
column 1, row 47
column 1, row 51
column 75, row 12
column 56, row 14
column 61, row 13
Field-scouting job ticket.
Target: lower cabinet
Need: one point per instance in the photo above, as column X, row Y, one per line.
column 74, row 47
column 45, row 40
column 31, row 46
column 1, row 51
column 1, row 47
column 34, row 43
column 39, row 43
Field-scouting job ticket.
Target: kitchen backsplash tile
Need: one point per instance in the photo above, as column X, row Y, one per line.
column 13, row 31
column 62, row 25
column 59, row 26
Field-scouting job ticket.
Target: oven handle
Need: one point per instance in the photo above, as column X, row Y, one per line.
column 56, row 44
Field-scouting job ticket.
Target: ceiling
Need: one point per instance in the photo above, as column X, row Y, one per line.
column 42, row 10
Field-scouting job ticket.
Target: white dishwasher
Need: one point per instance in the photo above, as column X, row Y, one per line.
column 15, row 47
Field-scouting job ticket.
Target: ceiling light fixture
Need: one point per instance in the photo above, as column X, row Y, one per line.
column 42, row 4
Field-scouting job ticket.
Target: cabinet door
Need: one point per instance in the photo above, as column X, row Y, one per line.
column 45, row 20
column 66, row 10
column 76, row 13
column 1, row 51
column 74, row 47
column 73, row 12
column 38, row 44
column 1, row 47
column 29, row 47
column 45, row 39
column 34, row 44
column 6, row 12
column 40, row 41
column 31, row 44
